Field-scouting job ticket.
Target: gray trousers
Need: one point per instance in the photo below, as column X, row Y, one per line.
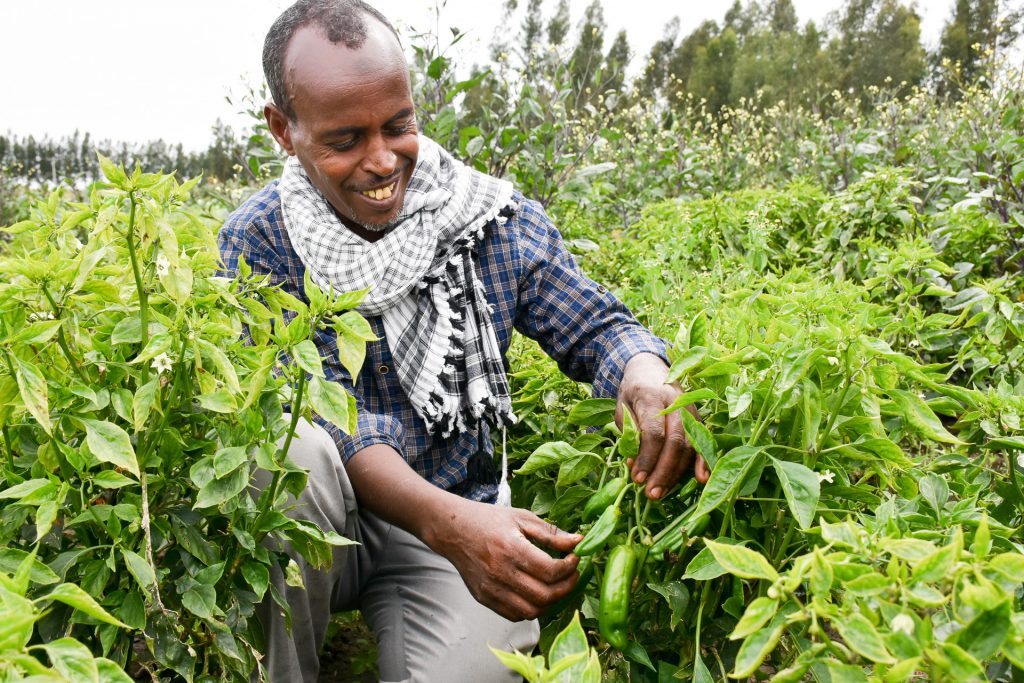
column 428, row 626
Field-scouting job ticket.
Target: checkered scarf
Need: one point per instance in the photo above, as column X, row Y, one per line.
column 425, row 287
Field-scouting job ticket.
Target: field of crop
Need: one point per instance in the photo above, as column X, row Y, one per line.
column 845, row 301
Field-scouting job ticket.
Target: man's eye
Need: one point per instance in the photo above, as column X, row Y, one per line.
column 343, row 145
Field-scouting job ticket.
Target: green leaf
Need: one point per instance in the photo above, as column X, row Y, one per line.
column 921, row 418
column 530, row 668
column 33, row 392
column 692, row 358
column 1010, row 565
column 570, row 641
column 139, row 568
column 802, row 488
column 704, row 567
column 200, row 600
column 754, row 649
column 960, row 665
column 572, row 470
column 223, row 365
column 27, row 488
column 592, row 412
column 938, row 564
column 219, row 491
column 113, row 172
column 677, row 596
column 739, row 400
column 333, row 403
column 143, row 403
column 688, row 399
column 629, row 442
column 12, row 559
column 110, row 443
column 227, row 460
column 307, row 357
column 74, row 596
column 257, row 575
column 352, row 332
column 700, row 438
column 72, row 660
column 110, row 672
column 860, row 635
column 548, row 455
column 700, row 670
column 742, row 562
column 728, row 476
column 845, row 673
column 37, row 332
column 986, row 632
column 636, row 652
column 219, row 401
column 109, row 479
column 757, row 614
column 935, row 490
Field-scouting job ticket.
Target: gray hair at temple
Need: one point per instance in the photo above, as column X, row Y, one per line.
column 342, row 21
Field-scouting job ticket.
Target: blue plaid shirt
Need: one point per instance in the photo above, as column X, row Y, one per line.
column 534, row 286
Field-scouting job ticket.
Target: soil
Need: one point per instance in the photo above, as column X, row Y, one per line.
column 350, row 655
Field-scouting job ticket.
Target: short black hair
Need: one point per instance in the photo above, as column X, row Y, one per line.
column 342, row 21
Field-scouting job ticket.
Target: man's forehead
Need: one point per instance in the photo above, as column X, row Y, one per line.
column 311, row 56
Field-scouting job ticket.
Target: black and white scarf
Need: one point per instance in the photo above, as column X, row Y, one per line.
column 424, row 282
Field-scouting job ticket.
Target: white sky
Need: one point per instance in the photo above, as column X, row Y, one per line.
column 141, row 69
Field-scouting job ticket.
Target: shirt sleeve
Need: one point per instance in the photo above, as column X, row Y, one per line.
column 582, row 326
column 256, row 236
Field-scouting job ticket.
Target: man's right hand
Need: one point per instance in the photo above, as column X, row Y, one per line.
column 499, row 553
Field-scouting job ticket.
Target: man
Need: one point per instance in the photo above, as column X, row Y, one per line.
column 455, row 259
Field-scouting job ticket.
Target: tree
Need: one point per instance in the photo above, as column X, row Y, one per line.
column 978, row 28
column 878, row 40
column 558, row 25
column 657, row 68
column 782, row 16
column 615, row 63
column 587, row 56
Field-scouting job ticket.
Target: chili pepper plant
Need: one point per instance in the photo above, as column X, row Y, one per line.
column 139, row 394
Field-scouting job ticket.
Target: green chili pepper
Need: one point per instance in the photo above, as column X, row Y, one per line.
column 599, row 533
column 613, row 613
column 604, row 497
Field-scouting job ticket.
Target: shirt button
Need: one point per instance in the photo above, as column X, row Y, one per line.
column 601, row 288
column 383, row 369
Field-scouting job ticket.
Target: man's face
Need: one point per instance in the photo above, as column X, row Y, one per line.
column 354, row 130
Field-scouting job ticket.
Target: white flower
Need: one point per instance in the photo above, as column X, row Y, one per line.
column 827, row 475
column 162, row 363
column 1020, row 460
column 163, row 266
column 902, row 623
column 832, row 360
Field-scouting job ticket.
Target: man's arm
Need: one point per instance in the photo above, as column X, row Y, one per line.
column 497, row 551
column 595, row 338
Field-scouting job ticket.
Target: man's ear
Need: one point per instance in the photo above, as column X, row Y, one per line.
column 279, row 125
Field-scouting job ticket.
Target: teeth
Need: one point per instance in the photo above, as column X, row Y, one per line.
column 380, row 193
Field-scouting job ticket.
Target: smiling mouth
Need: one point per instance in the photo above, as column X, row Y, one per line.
column 380, row 192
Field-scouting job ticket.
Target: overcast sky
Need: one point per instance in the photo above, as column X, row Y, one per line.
column 140, row 69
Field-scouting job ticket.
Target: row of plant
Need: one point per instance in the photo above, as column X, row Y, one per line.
column 854, row 355
column 146, row 406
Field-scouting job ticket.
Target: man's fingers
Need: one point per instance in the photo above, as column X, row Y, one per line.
column 652, row 439
column 702, row 471
column 674, row 458
column 545, row 534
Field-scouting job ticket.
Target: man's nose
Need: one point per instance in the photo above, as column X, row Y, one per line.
column 380, row 159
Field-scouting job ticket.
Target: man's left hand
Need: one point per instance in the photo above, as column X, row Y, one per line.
column 665, row 452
